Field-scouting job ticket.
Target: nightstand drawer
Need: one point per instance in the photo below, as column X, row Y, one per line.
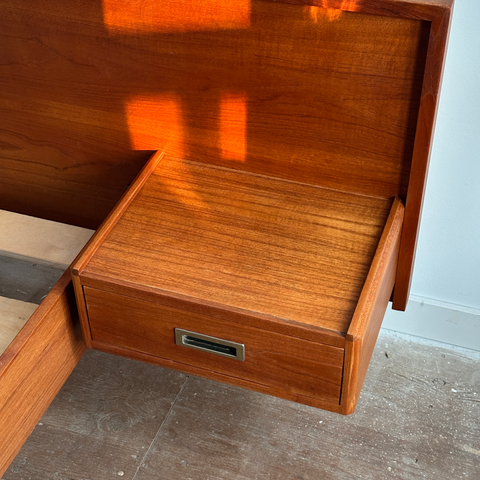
column 297, row 274
column 290, row 366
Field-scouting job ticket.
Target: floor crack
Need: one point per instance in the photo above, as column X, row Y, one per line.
column 161, row 427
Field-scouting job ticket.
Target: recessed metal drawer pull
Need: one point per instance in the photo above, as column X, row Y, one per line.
column 210, row 344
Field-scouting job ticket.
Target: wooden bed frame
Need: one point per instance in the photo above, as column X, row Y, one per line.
column 337, row 93
column 43, row 353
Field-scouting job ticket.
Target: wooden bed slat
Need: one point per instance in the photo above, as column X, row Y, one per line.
column 13, row 316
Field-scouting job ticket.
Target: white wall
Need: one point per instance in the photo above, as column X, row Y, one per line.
column 447, row 271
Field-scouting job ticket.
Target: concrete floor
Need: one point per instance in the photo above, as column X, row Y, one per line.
column 418, row 417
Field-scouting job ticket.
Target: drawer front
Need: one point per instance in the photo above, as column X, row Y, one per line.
column 294, row 365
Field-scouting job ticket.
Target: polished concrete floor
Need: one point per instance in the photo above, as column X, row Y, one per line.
column 418, row 417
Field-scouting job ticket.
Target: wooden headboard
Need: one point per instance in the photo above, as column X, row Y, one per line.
column 339, row 93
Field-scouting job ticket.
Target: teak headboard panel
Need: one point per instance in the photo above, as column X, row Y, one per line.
column 293, row 93
column 339, row 93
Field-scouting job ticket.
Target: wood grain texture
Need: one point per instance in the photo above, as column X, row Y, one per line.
column 315, row 108
column 367, row 320
column 314, row 333
column 258, row 244
column 288, row 365
column 98, row 237
column 34, row 254
column 35, row 365
column 347, row 99
column 276, row 265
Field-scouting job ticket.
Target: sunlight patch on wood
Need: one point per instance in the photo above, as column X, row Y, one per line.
column 166, row 16
column 155, row 123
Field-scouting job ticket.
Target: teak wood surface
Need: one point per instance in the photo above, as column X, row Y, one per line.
column 332, row 92
column 314, row 370
column 293, row 251
column 336, row 93
column 35, row 366
column 367, row 319
column 296, row 272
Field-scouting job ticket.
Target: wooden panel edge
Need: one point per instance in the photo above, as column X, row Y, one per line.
column 36, row 365
column 218, row 377
column 348, row 403
column 91, row 247
column 84, row 256
column 414, row 9
column 82, row 309
column 367, row 319
column 201, row 306
column 438, row 13
column 434, row 67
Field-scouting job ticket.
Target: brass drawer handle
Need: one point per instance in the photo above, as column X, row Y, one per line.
column 210, row 344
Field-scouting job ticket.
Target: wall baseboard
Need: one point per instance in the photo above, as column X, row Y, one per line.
column 439, row 321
